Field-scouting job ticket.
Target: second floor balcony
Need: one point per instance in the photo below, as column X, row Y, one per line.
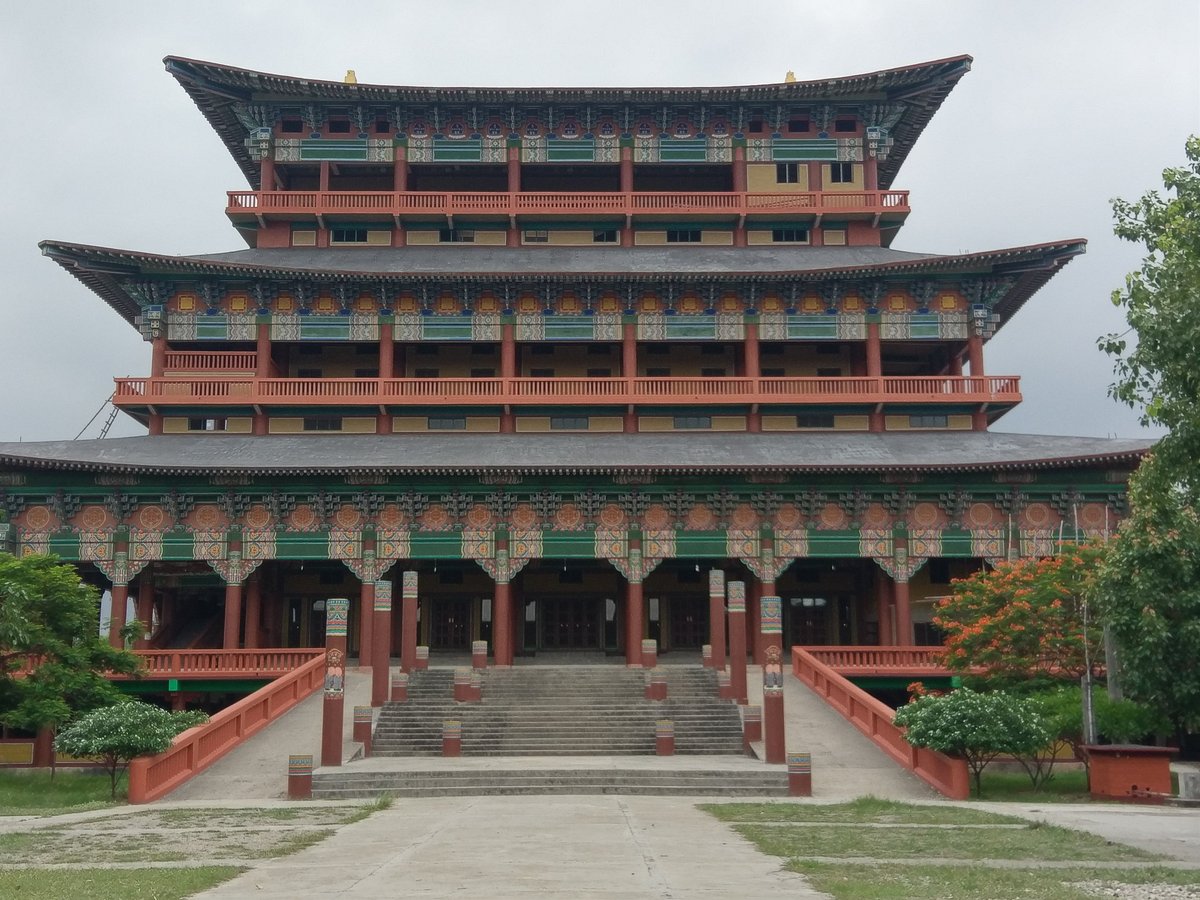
column 247, row 391
column 263, row 206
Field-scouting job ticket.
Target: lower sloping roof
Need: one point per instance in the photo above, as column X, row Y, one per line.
column 700, row 453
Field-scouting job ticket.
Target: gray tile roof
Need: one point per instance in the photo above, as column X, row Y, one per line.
column 564, row 260
column 706, row 452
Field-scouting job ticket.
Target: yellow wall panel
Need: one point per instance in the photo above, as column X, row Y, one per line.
column 649, row 238
column 760, row 179
column 409, row 424
column 304, row 238
column 716, row 238
column 359, row 424
column 239, row 425
column 533, row 423
column 423, row 237
column 490, row 424
column 606, row 423
column 656, row 423
column 491, row 238
column 379, row 238
column 728, row 423
column 851, row 423
column 958, row 423
column 288, row 425
column 175, row 425
column 834, row 237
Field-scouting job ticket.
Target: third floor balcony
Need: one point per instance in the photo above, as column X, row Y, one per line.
column 263, row 206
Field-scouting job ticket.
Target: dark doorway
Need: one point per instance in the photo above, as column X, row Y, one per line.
column 571, row 623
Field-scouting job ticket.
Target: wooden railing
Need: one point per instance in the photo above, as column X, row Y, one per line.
column 943, row 773
column 226, row 391
column 446, row 203
column 270, row 663
column 899, row 661
column 152, row 777
column 183, row 361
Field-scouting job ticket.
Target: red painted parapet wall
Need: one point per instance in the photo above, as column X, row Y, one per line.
column 153, row 777
column 943, row 773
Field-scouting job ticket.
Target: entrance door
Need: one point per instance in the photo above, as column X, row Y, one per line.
column 450, row 624
column 571, row 624
column 688, row 623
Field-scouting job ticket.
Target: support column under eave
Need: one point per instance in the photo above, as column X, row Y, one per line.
column 753, row 369
column 382, row 651
column 408, row 621
column 904, row 629
column 231, row 638
column 635, row 617
column 502, row 624
column 145, row 610
column 387, row 369
column 875, row 370
column 629, row 372
column 253, row 612
column 883, row 601
column 116, row 617
column 366, row 615
column 508, row 371
column 716, row 617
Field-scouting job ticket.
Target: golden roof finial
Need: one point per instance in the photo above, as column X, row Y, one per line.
column 350, row 78
column 790, row 77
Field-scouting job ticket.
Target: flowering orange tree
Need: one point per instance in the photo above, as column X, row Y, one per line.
column 1022, row 623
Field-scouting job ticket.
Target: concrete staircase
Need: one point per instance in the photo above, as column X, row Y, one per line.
column 669, row 780
column 560, row 711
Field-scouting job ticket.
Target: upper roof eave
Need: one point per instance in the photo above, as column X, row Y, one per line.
column 215, row 87
column 100, row 267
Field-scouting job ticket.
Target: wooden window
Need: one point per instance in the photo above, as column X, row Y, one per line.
column 446, row 423
column 339, row 126
column 683, row 235
column 700, row 422
column 456, row 236
column 841, row 173
column 787, row 173
column 789, row 235
column 537, row 237
column 605, row 236
column 845, row 126
column 202, row 424
column 322, row 423
column 291, row 125
column 927, row 421
column 347, row 235
column 814, row 420
column 799, row 126
column 757, row 126
column 568, row 423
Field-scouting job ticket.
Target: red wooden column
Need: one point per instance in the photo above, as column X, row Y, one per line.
column 231, row 639
column 337, row 614
column 904, row 629
column 753, row 370
column 366, row 622
column 145, row 609
column 253, row 612
column 754, row 638
column 158, row 356
column 116, row 618
column 502, row 627
column 382, row 651
column 387, row 369
column 400, row 170
column 635, row 617
column 629, row 372
column 883, row 600
column 773, row 721
column 716, row 617
column 766, row 589
column 266, row 170
column 874, row 369
column 739, row 168
column 508, row 370
column 408, row 621
column 975, row 356
column 737, row 640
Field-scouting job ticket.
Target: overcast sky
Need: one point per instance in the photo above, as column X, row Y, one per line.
column 1068, row 105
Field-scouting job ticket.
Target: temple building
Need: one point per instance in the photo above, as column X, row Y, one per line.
column 562, row 353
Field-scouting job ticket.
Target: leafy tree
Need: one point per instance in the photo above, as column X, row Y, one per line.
column 1149, row 593
column 1158, row 372
column 974, row 726
column 1022, row 622
column 114, row 735
column 50, row 619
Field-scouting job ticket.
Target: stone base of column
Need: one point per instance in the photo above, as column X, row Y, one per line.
column 706, row 656
column 462, row 685
column 664, row 737
column 476, row 688
column 362, row 728
column 751, row 726
column 300, row 769
column 656, row 685
column 773, row 726
column 799, row 774
column 451, row 738
column 422, row 661
column 479, row 652
column 649, row 653
column 400, row 688
column 724, row 686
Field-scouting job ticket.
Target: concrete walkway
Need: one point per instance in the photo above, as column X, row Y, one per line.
column 591, row 848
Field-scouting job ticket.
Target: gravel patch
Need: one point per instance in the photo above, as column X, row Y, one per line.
column 1121, row 891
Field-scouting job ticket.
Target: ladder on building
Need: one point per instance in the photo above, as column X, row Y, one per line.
column 112, row 417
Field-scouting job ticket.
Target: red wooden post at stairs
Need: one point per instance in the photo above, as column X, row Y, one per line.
column 771, row 611
column 337, row 617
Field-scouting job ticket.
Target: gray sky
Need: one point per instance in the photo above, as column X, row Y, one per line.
column 1069, row 104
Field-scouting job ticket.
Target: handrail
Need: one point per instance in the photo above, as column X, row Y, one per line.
column 449, row 203
column 152, row 777
column 210, row 361
column 265, row 663
column 233, row 390
column 853, row 660
column 945, row 774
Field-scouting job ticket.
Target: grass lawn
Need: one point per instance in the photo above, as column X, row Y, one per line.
column 859, row 882
column 883, row 830
column 1066, row 786
column 111, row 884
column 870, row 810
column 23, row 792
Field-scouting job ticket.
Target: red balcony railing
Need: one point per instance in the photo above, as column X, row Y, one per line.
column 219, row 390
column 549, row 203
